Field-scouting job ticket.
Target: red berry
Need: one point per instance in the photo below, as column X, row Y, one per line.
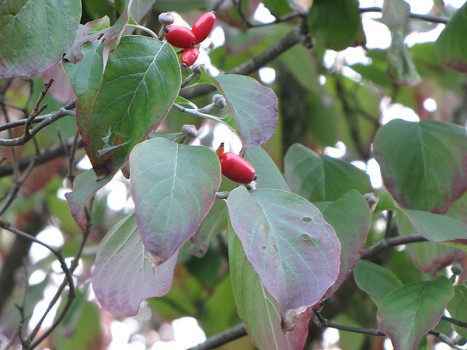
column 234, row 167
column 189, row 56
column 179, row 36
column 203, row 26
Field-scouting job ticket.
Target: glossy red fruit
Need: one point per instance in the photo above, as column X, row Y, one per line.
column 203, row 26
column 189, row 56
column 179, row 36
column 234, row 167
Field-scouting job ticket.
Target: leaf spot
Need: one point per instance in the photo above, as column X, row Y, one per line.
column 307, row 219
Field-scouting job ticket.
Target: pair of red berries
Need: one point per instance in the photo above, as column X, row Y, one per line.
column 234, row 167
column 186, row 38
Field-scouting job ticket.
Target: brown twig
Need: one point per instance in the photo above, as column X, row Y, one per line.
column 222, row 338
column 422, row 17
column 390, row 243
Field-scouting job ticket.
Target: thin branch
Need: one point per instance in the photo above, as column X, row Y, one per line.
column 422, row 17
column 222, row 338
column 31, row 133
column 249, row 24
column 293, row 37
column 71, row 294
column 387, row 243
column 454, row 321
column 46, row 156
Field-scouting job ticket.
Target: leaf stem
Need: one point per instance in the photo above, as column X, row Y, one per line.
column 197, row 113
column 144, row 29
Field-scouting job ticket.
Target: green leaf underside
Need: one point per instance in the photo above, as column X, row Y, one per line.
column 350, row 218
column 37, row 32
column 140, row 83
column 85, row 185
column 424, row 165
column 375, row 280
column 253, row 106
column 407, row 313
column 336, row 24
column 451, row 45
column 321, row 178
column 288, row 243
column 174, row 187
column 257, row 309
column 124, row 274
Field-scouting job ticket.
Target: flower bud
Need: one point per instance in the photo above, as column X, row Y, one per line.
column 166, row 18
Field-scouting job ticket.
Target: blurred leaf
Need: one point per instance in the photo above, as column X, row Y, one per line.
column 375, row 280
column 140, row 9
column 349, row 340
column 174, row 187
column 423, row 164
column 432, row 258
column 321, row 178
column 288, row 244
column 451, row 44
column 258, row 310
column 132, row 100
column 81, row 327
column 350, row 218
column 300, row 62
column 456, row 308
column 207, row 269
column 336, row 24
column 253, row 106
column 407, row 313
column 37, row 33
column 323, row 118
column 267, row 172
column 278, row 8
column 85, row 186
column 124, row 274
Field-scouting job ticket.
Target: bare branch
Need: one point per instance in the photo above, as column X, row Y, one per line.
column 222, row 338
column 387, row 243
column 422, row 17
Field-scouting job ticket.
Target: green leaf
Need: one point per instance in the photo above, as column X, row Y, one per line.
column 253, row 106
column 124, row 274
column 407, row 313
column 423, row 164
column 35, row 34
column 456, row 308
column 350, row 218
column 174, row 187
column 288, row 243
column 140, row 83
column 432, row 258
column 321, row 178
column 258, row 310
column 336, row 24
column 451, row 44
column 437, row 227
column 375, row 280
column 267, row 172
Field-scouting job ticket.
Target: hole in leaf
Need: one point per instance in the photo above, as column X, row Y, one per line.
column 307, row 219
column 306, row 238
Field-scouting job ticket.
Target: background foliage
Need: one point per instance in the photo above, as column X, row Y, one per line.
column 153, row 232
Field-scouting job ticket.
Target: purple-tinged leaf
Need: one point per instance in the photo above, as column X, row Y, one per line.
column 321, row 178
column 35, row 34
column 174, row 187
column 456, row 308
column 85, row 186
column 350, row 218
column 253, row 106
column 407, row 313
column 257, row 309
column 288, row 243
column 424, row 165
column 124, row 274
column 375, row 280
column 140, row 83
column 451, row 45
column 432, row 258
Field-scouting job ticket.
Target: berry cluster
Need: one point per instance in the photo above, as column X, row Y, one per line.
column 188, row 39
column 234, row 167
